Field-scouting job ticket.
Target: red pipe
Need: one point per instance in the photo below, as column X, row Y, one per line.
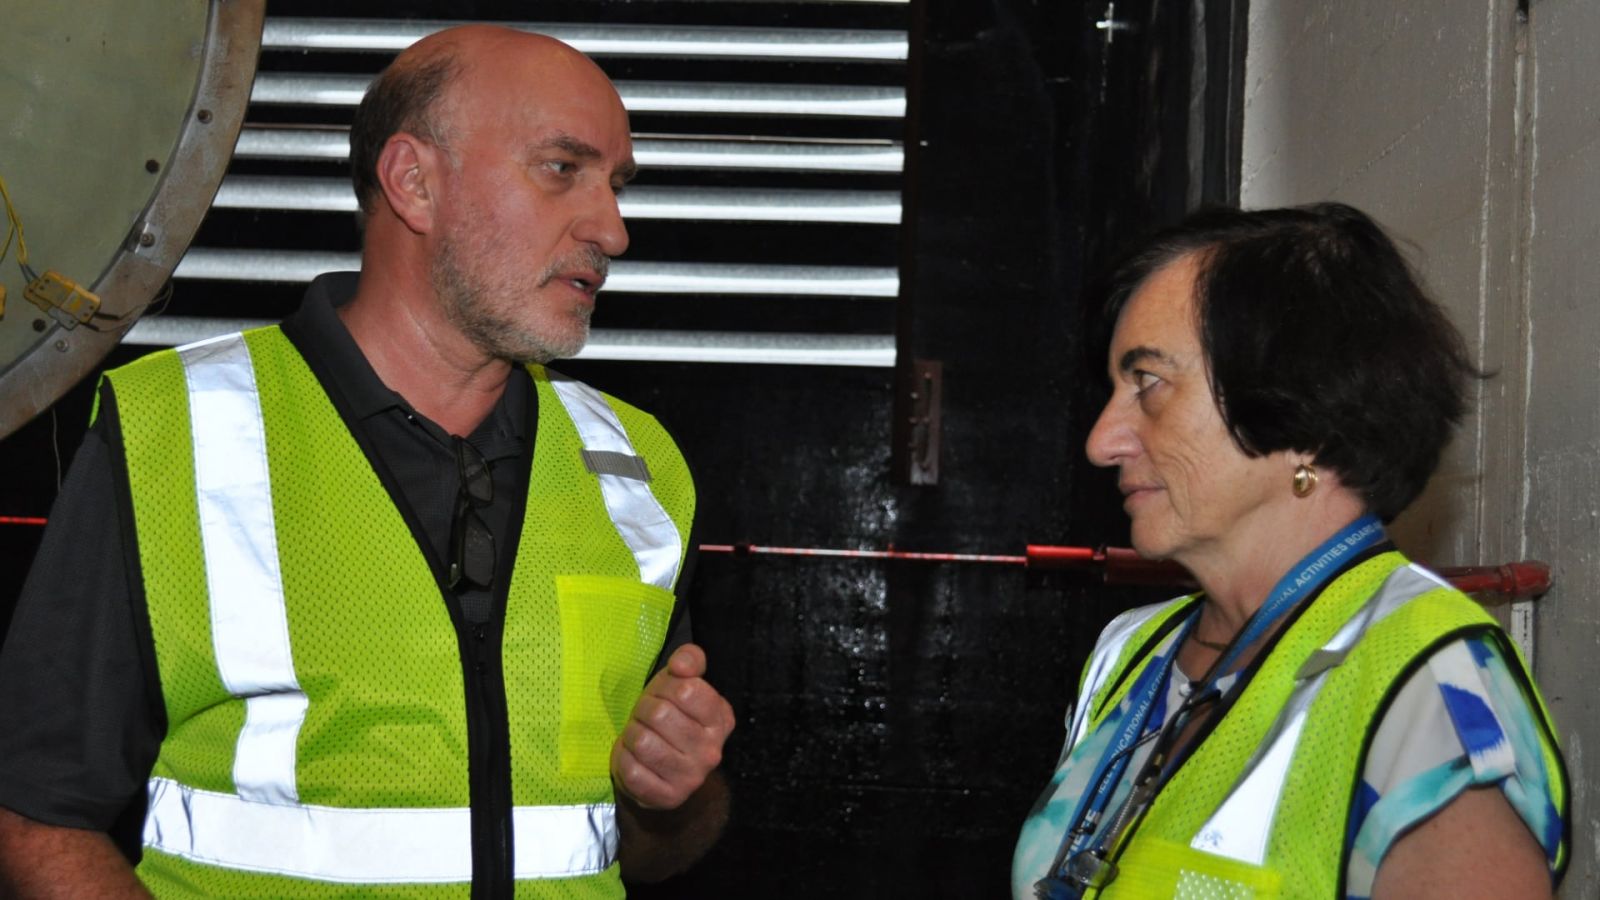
column 891, row 553
column 1115, row 565
column 1122, row 566
column 1529, row 578
column 1118, row 565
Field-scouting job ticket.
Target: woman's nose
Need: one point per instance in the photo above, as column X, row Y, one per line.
column 1111, row 440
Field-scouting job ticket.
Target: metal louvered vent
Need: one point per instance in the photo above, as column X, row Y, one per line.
column 764, row 222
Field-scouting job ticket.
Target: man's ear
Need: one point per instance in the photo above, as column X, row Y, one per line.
column 409, row 171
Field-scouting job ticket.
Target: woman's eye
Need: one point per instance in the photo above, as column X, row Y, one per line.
column 1144, row 381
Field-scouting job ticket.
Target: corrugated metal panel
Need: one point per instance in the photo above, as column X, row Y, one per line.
column 305, row 194
column 300, row 266
column 812, row 44
column 789, row 152
column 296, row 88
column 886, row 157
column 628, row 345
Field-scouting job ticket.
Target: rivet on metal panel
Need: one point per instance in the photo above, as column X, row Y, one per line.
column 204, row 116
column 147, row 239
column 152, row 166
column 61, row 345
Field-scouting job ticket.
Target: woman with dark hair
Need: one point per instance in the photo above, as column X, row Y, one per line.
column 1324, row 718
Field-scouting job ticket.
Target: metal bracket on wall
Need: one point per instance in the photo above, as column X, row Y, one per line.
column 916, row 451
column 1110, row 24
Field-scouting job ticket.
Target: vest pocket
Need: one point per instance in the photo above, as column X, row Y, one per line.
column 611, row 633
column 1153, row 867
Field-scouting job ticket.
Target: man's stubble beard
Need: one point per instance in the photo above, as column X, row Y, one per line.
column 469, row 304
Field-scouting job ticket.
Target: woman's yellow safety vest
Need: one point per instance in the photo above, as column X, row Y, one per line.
column 1260, row 809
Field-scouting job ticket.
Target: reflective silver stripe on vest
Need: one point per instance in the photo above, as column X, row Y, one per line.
column 1106, row 651
column 249, row 623
column 263, row 828
column 639, row 517
column 1242, row 825
column 369, row 846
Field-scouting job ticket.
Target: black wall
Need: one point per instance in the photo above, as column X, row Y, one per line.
column 898, row 719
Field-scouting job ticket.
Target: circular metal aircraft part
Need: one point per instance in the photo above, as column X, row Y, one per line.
column 120, row 118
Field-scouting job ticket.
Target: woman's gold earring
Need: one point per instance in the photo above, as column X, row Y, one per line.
column 1305, row 479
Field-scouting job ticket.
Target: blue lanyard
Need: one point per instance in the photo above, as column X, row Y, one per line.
column 1113, row 763
column 1307, row 576
column 1314, row 569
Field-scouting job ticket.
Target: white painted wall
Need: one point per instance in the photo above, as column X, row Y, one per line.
column 1562, row 327
column 1477, row 138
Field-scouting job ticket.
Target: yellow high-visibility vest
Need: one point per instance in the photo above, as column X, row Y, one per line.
column 317, row 737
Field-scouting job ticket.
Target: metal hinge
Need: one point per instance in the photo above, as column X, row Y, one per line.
column 916, row 454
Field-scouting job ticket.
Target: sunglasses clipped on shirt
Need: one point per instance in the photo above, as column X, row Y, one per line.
column 471, row 542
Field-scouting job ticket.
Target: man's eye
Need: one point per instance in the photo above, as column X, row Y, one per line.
column 560, row 166
column 1144, row 381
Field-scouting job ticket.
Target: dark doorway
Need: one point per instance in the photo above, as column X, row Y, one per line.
column 898, row 719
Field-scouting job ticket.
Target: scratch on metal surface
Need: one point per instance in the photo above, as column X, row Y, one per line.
column 1248, row 179
column 1361, row 170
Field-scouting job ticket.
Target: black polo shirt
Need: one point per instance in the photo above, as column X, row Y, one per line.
column 414, row 457
column 81, row 711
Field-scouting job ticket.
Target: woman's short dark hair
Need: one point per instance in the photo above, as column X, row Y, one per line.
column 401, row 98
column 1319, row 339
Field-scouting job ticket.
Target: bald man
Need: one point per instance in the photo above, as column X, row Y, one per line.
column 375, row 603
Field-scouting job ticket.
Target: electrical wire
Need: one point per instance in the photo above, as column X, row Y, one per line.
column 14, row 223
column 158, row 303
column 108, row 322
column 14, row 227
column 55, row 446
column 155, row 307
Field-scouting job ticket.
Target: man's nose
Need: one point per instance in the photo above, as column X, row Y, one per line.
column 602, row 224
